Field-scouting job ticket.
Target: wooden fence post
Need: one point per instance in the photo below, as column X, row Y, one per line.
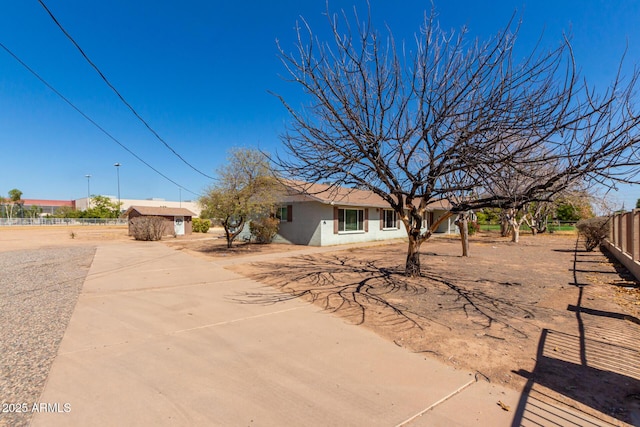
column 635, row 236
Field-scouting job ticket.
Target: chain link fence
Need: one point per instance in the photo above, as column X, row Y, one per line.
column 62, row 221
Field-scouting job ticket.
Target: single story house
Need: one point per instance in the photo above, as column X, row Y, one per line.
column 177, row 220
column 323, row 215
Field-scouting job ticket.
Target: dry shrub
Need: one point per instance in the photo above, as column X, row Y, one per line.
column 264, row 230
column 594, row 231
column 147, row 228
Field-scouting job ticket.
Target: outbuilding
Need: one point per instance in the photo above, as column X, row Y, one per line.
column 177, row 220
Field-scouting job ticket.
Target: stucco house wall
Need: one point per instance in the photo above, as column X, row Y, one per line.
column 305, row 227
column 372, row 233
column 312, row 223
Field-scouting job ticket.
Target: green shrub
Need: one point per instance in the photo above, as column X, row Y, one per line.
column 201, row 225
column 594, row 231
column 147, row 228
column 473, row 227
column 263, row 230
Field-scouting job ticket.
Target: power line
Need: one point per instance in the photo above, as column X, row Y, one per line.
column 135, row 113
column 54, row 90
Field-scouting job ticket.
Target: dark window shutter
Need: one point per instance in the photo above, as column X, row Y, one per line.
column 335, row 220
column 289, row 213
column 382, row 212
column 366, row 220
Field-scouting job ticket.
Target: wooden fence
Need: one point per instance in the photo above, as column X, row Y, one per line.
column 624, row 239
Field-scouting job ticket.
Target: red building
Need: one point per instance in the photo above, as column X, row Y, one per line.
column 48, row 207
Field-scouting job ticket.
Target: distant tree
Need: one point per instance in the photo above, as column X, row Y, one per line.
column 488, row 216
column 15, row 195
column 574, row 206
column 567, row 212
column 33, row 211
column 638, row 204
column 245, row 189
column 14, row 203
column 537, row 216
column 102, row 207
column 67, row 212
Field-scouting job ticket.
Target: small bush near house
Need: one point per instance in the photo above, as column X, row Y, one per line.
column 201, row 225
column 594, row 231
column 147, row 228
column 263, row 230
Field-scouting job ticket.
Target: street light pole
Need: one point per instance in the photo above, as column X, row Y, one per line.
column 117, row 165
column 88, row 190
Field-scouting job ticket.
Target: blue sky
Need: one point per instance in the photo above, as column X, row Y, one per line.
column 200, row 72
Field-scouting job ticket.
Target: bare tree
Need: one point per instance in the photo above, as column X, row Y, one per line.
column 245, row 188
column 401, row 121
column 13, row 202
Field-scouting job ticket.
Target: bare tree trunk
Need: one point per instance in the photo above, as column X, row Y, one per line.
column 515, row 228
column 416, row 238
column 515, row 234
column 505, row 226
column 463, row 224
column 231, row 235
column 511, row 215
column 412, row 266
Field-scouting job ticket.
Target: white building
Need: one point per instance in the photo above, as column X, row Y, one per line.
column 81, row 204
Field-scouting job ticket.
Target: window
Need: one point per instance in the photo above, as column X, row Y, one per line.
column 281, row 213
column 284, row 213
column 350, row 220
column 389, row 219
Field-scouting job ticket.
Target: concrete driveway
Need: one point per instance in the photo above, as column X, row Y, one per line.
column 159, row 337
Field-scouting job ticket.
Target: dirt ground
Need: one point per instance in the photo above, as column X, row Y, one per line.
column 542, row 315
column 27, row 237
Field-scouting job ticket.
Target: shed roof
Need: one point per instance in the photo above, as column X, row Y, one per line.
column 159, row 211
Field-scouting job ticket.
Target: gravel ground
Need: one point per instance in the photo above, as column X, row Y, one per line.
column 38, row 292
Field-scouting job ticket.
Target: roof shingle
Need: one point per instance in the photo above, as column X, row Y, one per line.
column 336, row 195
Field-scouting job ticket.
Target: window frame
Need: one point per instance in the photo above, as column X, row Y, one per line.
column 284, row 209
column 359, row 223
column 385, row 224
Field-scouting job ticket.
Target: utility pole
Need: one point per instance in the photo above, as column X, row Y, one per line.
column 117, row 165
column 88, row 190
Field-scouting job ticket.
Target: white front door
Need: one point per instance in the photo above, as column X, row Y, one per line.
column 178, row 225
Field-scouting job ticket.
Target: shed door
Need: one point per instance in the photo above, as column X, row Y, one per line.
column 178, row 225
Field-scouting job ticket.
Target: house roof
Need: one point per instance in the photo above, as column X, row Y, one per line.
column 158, row 211
column 299, row 191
